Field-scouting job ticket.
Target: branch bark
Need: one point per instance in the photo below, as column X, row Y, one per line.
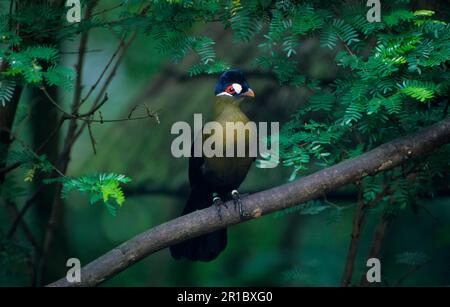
column 309, row 187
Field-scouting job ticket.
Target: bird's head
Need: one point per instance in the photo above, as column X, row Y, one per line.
column 232, row 83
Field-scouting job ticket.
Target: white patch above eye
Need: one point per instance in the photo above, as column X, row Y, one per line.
column 224, row 94
column 237, row 87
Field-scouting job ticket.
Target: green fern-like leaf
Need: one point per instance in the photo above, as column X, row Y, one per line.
column 305, row 20
column 6, row 91
column 244, row 22
column 276, row 27
column 211, row 68
column 398, row 16
column 45, row 53
column 412, row 258
column 418, row 90
column 60, row 76
column 98, row 187
column 321, row 101
column 10, row 190
column 341, row 30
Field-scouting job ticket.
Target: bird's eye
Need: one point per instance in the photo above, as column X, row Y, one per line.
column 230, row 90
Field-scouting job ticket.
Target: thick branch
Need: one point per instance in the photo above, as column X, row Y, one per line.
column 310, row 187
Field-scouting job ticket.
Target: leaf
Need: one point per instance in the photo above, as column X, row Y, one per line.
column 10, row 190
column 60, row 76
column 211, row 68
column 421, row 91
column 30, row 174
column 99, row 187
column 412, row 258
column 427, row 13
column 45, row 53
column 6, row 90
column 397, row 17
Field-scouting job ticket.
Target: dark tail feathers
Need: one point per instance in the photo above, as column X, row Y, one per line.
column 205, row 247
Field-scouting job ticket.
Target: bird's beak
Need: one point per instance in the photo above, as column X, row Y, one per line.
column 249, row 93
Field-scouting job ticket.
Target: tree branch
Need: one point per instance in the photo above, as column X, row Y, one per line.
column 64, row 158
column 377, row 242
column 358, row 220
column 306, row 188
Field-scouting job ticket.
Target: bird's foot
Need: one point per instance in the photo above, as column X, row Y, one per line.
column 218, row 203
column 237, row 202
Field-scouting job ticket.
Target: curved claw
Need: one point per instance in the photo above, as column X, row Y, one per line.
column 237, row 202
column 218, row 203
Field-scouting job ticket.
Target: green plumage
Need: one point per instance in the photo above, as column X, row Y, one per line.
column 218, row 175
column 228, row 172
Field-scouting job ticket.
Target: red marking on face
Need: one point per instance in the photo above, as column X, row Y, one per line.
column 230, row 90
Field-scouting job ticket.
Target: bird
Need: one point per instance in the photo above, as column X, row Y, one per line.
column 214, row 180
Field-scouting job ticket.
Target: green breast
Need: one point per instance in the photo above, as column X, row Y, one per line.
column 230, row 170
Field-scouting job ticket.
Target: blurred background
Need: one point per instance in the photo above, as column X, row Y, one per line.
column 290, row 248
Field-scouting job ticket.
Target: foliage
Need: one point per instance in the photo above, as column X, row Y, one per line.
column 98, row 187
column 6, row 90
column 395, row 70
column 412, row 258
column 35, row 65
column 30, row 161
column 398, row 87
column 14, row 256
column 10, row 190
column 392, row 80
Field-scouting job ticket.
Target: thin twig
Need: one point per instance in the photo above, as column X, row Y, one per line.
column 345, row 45
column 26, row 230
column 113, row 71
column 76, row 52
column 410, row 272
column 51, row 135
column 73, row 134
column 64, row 157
column 30, row 150
column 91, row 137
column 74, row 25
column 54, row 103
column 31, row 257
column 358, row 220
column 107, row 10
column 108, row 64
column 377, row 243
column 8, row 168
column 96, row 108
column 85, row 116
column 24, row 210
column 419, row 266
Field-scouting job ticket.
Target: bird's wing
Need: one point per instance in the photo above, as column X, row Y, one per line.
column 195, row 168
